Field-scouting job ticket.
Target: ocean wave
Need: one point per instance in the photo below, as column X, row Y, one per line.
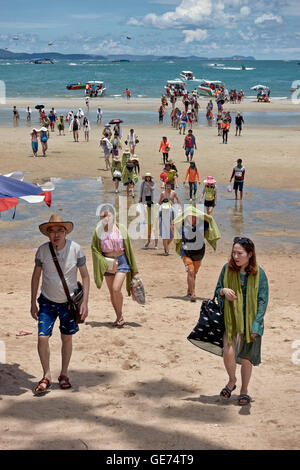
column 72, row 63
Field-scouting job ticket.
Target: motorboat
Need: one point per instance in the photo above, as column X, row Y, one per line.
column 177, row 86
column 209, row 87
column 76, row 86
column 94, row 88
column 187, row 75
column 40, row 61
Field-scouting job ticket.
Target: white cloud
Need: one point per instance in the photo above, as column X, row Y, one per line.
column 245, row 11
column 268, row 17
column 188, row 12
column 194, row 35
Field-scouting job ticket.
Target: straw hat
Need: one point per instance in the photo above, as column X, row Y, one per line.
column 127, row 150
column 209, row 180
column 134, row 158
column 116, row 158
column 54, row 221
column 147, row 174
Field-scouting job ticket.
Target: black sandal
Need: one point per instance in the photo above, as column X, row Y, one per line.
column 244, row 398
column 226, row 392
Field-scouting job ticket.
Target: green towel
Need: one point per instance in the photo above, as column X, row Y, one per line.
column 233, row 311
column 100, row 264
column 212, row 235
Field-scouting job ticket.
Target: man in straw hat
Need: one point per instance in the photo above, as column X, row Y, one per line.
column 53, row 300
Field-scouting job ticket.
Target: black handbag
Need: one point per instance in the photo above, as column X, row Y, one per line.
column 74, row 301
column 209, row 331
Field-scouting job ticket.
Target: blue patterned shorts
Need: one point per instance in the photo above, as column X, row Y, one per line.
column 48, row 313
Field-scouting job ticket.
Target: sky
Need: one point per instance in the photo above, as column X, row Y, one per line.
column 265, row 29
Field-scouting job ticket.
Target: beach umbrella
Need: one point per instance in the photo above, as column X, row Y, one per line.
column 39, row 106
column 115, row 121
column 12, row 190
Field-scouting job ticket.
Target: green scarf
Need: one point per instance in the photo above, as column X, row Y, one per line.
column 100, row 264
column 212, row 235
column 233, row 311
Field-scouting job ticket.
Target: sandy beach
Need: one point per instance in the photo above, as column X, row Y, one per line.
column 145, row 386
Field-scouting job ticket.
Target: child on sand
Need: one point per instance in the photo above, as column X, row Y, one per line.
column 210, row 193
column 193, row 175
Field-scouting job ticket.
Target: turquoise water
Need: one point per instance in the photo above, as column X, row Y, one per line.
column 270, row 217
column 145, row 79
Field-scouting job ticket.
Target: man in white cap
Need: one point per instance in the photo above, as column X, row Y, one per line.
column 53, row 301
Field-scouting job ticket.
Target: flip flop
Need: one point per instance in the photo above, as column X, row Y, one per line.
column 244, row 397
column 39, row 389
column 226, row 392
column 64, row 382
column 119, row 323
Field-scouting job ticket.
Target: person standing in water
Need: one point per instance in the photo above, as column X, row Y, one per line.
column 238, row 173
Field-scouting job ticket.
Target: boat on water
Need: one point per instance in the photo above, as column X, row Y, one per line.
column 175, row 86
column 76, row 86
column 40, row 61
column 121, row 60
column 92, row 87
column 209, row 87
column 187, row 75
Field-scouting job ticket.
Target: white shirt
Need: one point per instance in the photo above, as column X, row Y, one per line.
column 70, row 258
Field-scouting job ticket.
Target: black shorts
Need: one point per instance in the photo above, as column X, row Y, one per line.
column 238, row 185
column 195, row 255
column 209, row 203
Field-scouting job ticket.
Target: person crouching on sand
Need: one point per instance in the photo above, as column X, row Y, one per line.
column 111, row 240
column 242, row 292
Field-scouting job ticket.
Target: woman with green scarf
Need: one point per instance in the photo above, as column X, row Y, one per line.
column 242, row 293
column 111, row 241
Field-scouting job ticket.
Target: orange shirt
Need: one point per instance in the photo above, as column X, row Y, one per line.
column 225, row 125
column 164, row 145
column 193, row 175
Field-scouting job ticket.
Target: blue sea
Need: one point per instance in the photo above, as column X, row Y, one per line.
column 143, row 78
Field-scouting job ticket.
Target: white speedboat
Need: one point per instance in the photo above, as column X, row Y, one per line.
column 177, row 86
column 209, row 87
column 187, row 75
column 94, row 88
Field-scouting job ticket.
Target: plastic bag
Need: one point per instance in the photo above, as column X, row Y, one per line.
column 137, row 290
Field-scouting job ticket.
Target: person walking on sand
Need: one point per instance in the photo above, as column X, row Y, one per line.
column 172, row 176
column 225, row 126
column 183, row 122
column 86, row 128
column 210, row 194
column 87, row 103
column 128, row 94
column 16, row 115
column 61, row 125
column 190, row 229
column 111, row 241
column 53, row 301
column 189, row 145
column 34, row 141
column 74, row 127
column 165, row 148
column 242, row 292
column 239, row 121
column 161, row 113
column 238, row 173
column 116, row 171
column 129, row 177
column 106, row 145
column 193, row 177
column 146, row 197
column 131, row 141
column 44, row 139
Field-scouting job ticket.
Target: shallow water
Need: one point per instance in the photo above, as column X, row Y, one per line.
column 132, row 118
column 270, row 217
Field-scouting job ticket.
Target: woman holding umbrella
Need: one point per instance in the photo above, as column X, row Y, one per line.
column 117, row 127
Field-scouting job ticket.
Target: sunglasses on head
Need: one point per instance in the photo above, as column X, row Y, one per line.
column 242, row 241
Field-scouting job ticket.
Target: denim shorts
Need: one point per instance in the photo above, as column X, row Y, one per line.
column 189, row 151
column 48, row 313
column 123, row 265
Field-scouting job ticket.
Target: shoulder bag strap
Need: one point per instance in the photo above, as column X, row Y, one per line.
column 60, row 273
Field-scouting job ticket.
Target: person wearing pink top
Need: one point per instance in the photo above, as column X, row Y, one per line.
column 34, row 142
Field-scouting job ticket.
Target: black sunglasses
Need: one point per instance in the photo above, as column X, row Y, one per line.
column 242, row 241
